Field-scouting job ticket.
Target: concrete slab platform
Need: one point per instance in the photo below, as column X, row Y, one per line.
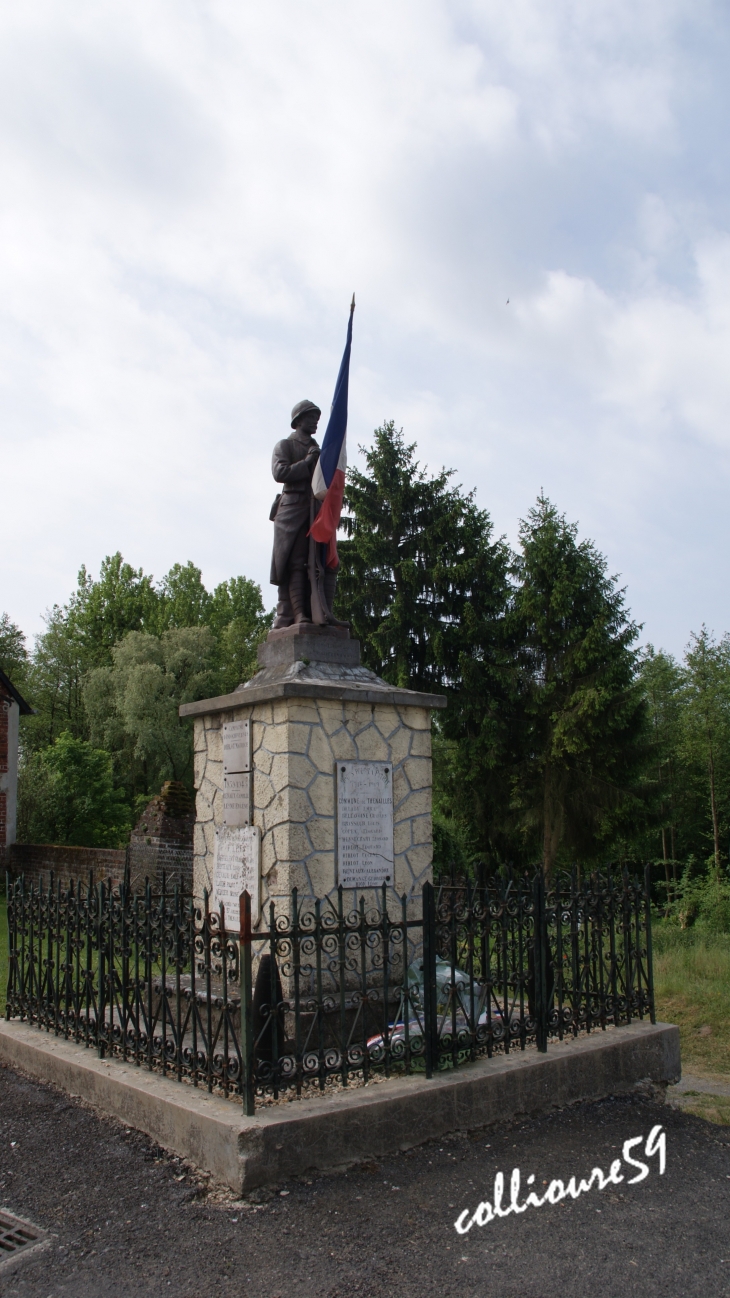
column 350, row 1126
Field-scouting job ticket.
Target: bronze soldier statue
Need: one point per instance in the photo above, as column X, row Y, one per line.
column 305, row 586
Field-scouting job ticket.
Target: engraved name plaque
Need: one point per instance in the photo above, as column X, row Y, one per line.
column 236, row 747
column 364, row 824
column 237, row 868
column 237, row 800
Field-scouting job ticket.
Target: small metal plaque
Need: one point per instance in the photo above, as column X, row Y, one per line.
column 364, row 824
column 237, row 868
column 237, row 800
column 236, row 747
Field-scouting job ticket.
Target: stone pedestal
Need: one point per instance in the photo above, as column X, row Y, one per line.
column 310, row 706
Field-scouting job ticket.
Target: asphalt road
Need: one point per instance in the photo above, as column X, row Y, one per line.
column 128, row 1220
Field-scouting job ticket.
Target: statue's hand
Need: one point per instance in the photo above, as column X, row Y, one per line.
column 313, row 454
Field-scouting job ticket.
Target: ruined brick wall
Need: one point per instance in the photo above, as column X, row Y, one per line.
column 162, row 839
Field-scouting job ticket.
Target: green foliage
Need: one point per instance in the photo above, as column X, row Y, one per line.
column 55, row 681
column 133, row 705
column 706, row 721
column 420, row 579
column 700, row 898
column 66, row 795
column 123, row 599
column 183, row 599
column 585, row 747
column 236, row 616
column 13, row 651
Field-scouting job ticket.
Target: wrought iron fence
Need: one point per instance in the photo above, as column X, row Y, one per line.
column 323, row 992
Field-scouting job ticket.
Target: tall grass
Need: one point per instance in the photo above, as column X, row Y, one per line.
column 692, row 989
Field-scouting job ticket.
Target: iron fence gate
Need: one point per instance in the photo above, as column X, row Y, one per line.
column 324, row 992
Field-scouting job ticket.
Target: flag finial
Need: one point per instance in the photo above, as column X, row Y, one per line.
column 352, row 304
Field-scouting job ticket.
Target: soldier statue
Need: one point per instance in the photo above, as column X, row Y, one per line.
column 306, row 586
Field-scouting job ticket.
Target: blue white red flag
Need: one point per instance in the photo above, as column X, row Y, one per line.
column 328, row 483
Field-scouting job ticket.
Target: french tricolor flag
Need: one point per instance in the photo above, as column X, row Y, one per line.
column 328, row 483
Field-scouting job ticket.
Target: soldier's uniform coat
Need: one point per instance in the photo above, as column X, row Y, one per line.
column 294, row 508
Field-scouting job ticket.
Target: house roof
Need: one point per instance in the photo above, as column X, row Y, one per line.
column 25, row 709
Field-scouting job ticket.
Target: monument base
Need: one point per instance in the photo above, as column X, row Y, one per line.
column 307, row 713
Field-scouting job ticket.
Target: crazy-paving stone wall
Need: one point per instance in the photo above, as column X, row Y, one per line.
column 295, row 745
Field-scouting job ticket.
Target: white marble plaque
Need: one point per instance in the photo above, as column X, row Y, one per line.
column 236, row 747
column 237, row 800
column 237, row 868
column 364, row 824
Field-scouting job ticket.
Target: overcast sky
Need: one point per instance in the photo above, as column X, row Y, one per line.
column 190, row 192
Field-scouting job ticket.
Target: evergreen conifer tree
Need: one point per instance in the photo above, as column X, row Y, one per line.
column 585, row 739
column 421, row 581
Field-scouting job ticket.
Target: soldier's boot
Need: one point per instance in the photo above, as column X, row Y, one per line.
column 284, row 614
column 298, row 592
column 330, row 586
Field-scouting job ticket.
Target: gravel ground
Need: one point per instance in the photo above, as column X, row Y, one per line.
column 127, row 1219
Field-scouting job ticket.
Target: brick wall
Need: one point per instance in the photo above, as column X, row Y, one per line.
column 37, row 860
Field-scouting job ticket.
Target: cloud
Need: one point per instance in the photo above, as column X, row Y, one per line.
column 191, row 192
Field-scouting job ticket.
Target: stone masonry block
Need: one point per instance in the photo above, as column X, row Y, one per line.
column 343, row 746
column 301, row 771
column 419, row 859
column 291, row 843
column 199, row 844
column 421, row 829
column 321, row 870
column 203, row 808
column 300, row 808
column 199, row 764
column 277, row 738
column 421, row 743
column 416, row 718
column 262, row 760
column 330, row 715
column 416, row 804
column 322, row 834
column 279, row 775
column 386, row 719
column 320, row 751
column 303, row 710
column 215, row 745
column 322, row 795
column 371, row 747
column 401, row 787
column 357, row 716
column 200, row 737
column 263, row 791
column 208, row 791
column 298, row 737
column 209, row 831
column 402, row 836
column 277, row 813
column 418, row 770
column 400, row 745
column 268, row 854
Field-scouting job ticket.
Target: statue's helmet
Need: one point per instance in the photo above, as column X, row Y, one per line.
column 303, row 408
